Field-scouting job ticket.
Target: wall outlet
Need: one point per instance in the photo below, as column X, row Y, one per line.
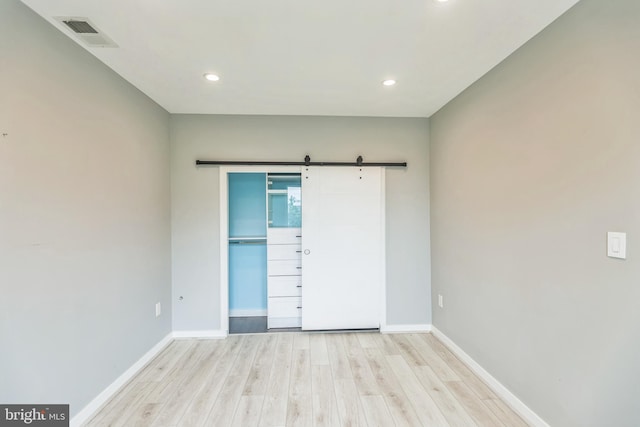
column 158, row 309
column 440, row 301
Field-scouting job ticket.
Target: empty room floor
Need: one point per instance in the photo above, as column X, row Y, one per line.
column 307, row 379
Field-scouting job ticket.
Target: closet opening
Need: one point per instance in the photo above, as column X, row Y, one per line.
column 264, row 251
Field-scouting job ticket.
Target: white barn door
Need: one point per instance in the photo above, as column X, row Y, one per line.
column 343, row 247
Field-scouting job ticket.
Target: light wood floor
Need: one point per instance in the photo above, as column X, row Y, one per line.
column 301, row 379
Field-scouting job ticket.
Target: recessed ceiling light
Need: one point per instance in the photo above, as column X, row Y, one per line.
column 211, row 77
column 442, row 1
column 389, row 82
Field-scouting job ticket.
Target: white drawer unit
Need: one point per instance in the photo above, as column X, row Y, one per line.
column 285, row 306
column 284, row 284
column 286, row 267
column 284, row 312
column 282, row 252
column 284, row 322
column 284, row 236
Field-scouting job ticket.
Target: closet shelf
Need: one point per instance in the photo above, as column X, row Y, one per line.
column 251, row 239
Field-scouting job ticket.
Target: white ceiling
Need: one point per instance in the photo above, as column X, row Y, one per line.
column 303, row 57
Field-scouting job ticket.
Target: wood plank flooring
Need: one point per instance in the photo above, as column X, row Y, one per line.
column 307, row 379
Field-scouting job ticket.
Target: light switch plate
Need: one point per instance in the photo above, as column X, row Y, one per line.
column 617, row 245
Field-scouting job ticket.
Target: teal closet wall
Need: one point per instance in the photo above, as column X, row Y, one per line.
column 247, row 256
column 247, row 205
column 247, row 276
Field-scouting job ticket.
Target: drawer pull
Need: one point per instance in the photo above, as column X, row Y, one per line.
column 298, row 252
column 299, row 307
column 298, row 286
column 298, row 236
column 299, row 268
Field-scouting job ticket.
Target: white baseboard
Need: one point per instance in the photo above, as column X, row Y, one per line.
column 88, row 411
column 206, row 334
column 405, row 329
column 248, row 313
column 516, row 404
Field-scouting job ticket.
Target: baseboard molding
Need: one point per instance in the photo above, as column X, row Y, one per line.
column 205, row 334
column 248, row 313
column 516, row 404
column 90, row 409
column 405, row 329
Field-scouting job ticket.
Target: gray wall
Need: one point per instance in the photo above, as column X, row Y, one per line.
column 195, row 195
column 84, row 217
column 530, row 167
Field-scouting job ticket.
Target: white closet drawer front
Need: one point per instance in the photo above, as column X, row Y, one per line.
column 292, row 267
column 284, row 236
column 284, row 322
column 284, row 252
column 285, row 286
column 284, row 307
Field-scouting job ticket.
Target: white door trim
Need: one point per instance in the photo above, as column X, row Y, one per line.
column 383, row 255
column 224, row 172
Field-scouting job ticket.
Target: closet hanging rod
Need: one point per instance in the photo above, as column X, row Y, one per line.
column 307, row 162
column 247, row 242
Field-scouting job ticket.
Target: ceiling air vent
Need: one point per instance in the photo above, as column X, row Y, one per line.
column 80, row 27
column 85, row 31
